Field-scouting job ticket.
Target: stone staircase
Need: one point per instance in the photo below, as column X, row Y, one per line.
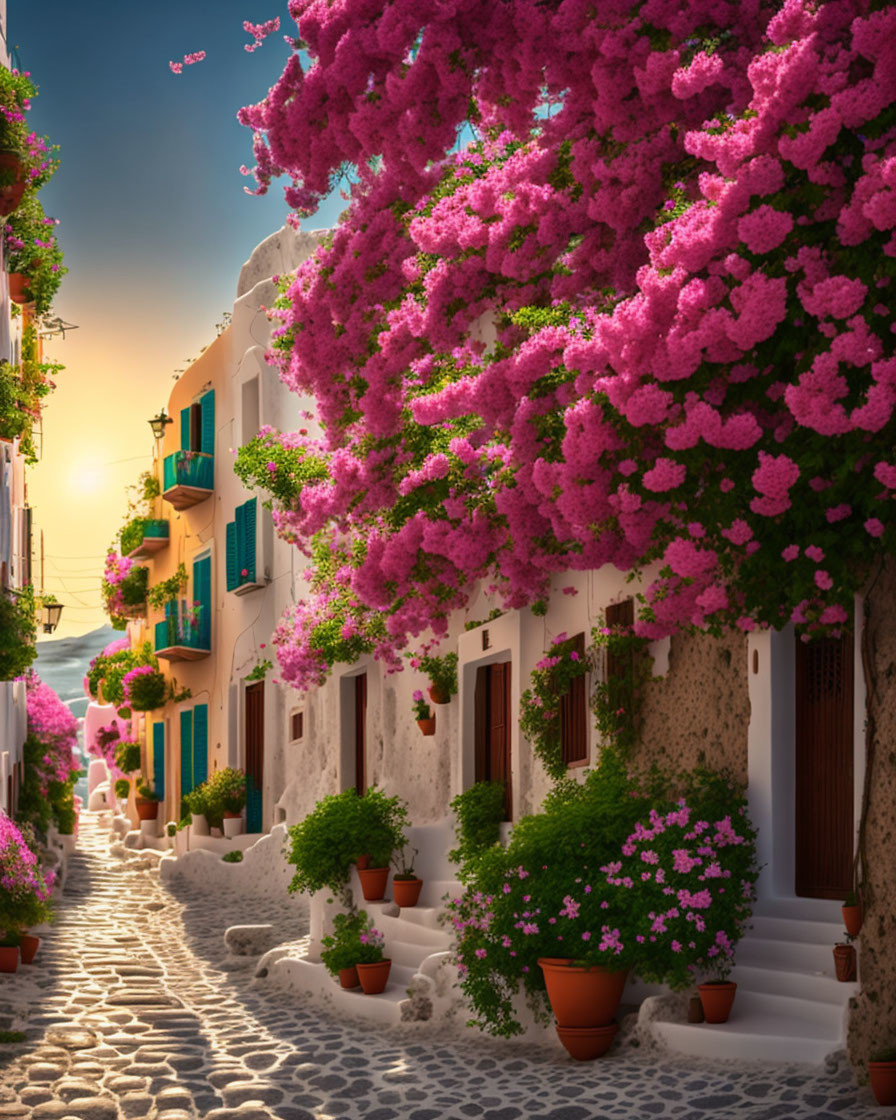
column 421, row 980
column 789, row 1004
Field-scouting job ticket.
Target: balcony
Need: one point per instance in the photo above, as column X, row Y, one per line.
column 155, row 538
column 185, row 635
column 188, row 478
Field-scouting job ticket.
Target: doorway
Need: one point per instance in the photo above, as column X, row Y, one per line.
column 491, row 704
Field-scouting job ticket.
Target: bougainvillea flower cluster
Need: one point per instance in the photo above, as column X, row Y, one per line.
column 642, row 318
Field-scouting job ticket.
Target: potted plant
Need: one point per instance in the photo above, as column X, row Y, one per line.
column 196, row 805
column 373, row 966
column 122, row 789
column 25, row 898
column 845, row 960
column 406, row 886
column 442, row 673
column 147, row 800
column 339, row 829
column 225, row 793
column 127, row 755
column 144, row 687
column 26, row 161
column 882, row 1074
column 343, row 948
column 852, row 914
column 426, row 721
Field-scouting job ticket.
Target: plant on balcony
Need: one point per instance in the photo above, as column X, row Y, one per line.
column 168, row 590
column 123, row 588
column 111, row 669
column 28, row 161
column 340, row 828
column 144, row 688
column 22, row 388
column 18, row 631
column 33, row 252
column 25, row 898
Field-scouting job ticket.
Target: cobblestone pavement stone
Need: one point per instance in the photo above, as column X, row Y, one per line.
column 133, row 1009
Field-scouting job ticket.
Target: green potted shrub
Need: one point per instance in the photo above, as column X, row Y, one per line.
column 225, row 793
column 127, row 755
column 196, row 804
column 144, row 688
column 342, row 949
column 122, row 789
column 147, row 800
column 442, row 673
column 340, row 829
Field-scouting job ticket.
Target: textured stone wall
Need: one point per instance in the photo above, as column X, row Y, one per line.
column 872, row 1024
column 699, row 712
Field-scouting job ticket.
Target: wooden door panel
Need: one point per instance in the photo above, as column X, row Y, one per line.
column 491, row 703
column 824, row 768
column 361, row 733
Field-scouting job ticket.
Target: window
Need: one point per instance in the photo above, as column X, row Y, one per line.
column 296, row 726
column 240, row 546
column 197, row 425
column 193, row 748
column 574, row 715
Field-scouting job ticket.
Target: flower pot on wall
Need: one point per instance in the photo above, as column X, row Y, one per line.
column 845, row 962
column 883, row 1081
column 373, row 977
column 439, row 695
column 373, row 882
column 582, row 995
column 427, row 726
column 406, row 892
column 717, row 997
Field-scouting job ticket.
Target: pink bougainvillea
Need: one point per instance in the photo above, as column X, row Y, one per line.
column 650, row 292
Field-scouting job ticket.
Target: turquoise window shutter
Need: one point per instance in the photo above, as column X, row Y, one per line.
column 200, row 743
column 207, row 405
column 253, row 805
column 202, row 590
column 186, row 752
column 248, row 540
column 232, row 560
column 158, row 758
column 185, row 428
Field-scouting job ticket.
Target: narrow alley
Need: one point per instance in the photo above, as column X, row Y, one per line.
column 134, row 1008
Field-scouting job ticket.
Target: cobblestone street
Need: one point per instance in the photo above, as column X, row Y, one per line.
column 134, row 1009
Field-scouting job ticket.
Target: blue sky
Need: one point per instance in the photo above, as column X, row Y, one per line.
column 155, row 225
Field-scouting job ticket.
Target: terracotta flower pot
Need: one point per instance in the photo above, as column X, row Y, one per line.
column 9, row 958
column 18, row 288
column 582, row 995
column 406, row 892
column 717, row 997
column 439, row 695
column 11, row 192
column 587, row 1043
column 852, row 919
column 883, row 1081
column 427, row 726
column 373, row 882
column 845, row 962
column 147, row 809
column 28, row 947
column 348, row 977
column 373, row 977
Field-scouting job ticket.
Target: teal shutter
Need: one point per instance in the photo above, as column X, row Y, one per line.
column 200, row 743
column 248, row 540
column 185, row 428
column 158, row 758
column 171, row 627
column 253, row 805
column 202, row 590
column 233, row 565
column 186, row 752
column 207, row 405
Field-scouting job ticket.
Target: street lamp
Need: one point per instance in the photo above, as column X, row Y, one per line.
column 159, row 423
column 50, row 613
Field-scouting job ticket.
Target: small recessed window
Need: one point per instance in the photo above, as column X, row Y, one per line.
column 296, row 726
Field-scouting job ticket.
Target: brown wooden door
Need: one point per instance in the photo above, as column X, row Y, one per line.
column 361, row 733
column 491, row 703
column 824, row 768
column 255, row 732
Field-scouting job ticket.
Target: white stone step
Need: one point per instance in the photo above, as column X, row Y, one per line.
column 786, row 954
column 805, row 985
column 795, row 929
column 301, row 976
column 762, row 1027
column 422, row 938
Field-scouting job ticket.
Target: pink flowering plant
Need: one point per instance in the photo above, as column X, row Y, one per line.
column 52, row 762
column 422, row 710
column 144, row 688
column 123, row 588
column 643, row 317
column 26, row 887
column 540, row 703
column 611, row 872
column 353, row 941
